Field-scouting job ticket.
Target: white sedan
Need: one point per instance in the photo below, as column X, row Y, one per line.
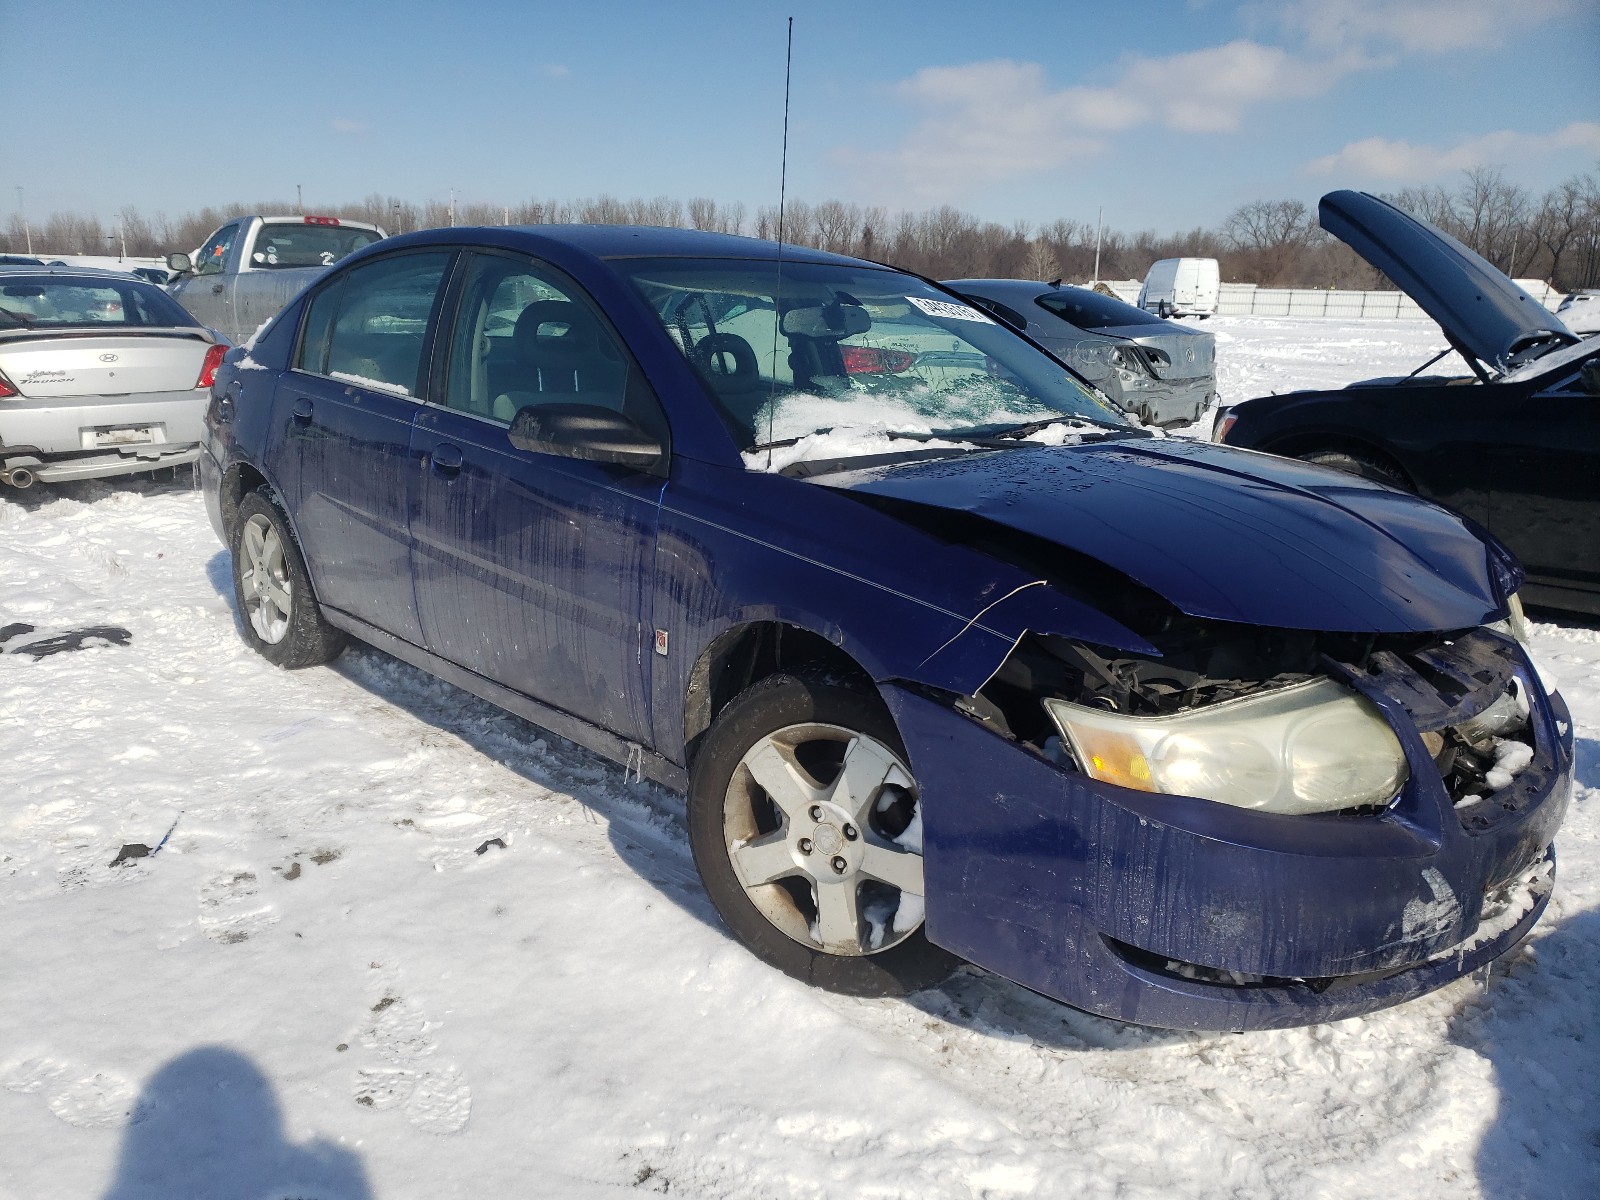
column 100, row 374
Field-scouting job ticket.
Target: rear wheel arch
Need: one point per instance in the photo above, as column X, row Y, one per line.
column 743, row 655
column 238, row 481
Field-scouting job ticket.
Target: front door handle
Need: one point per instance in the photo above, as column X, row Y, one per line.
column 302, row 410
column 446, row 459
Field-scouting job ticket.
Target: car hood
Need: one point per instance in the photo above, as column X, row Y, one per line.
column 1481, row 311
column 1222, row 533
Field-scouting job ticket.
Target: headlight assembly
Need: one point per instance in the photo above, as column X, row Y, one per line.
column 1314, row 747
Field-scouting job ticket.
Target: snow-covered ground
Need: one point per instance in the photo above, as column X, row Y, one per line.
column 319, row 988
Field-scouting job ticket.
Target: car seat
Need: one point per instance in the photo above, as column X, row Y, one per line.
column 558, row 352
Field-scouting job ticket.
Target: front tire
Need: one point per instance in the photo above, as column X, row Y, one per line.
column 806, row 827
column 280, row 615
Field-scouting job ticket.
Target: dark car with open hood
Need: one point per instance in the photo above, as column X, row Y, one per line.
column 1514, row 445
column 951, row 661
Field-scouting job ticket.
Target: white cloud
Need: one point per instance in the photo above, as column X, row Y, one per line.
column 1399, row 27
column 1378, row 158
column 984, row 122
column 346, row 125
column 988, row 121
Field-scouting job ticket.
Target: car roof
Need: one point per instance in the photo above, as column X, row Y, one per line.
column 1001, row 287
column 11, row 270
column 636, row 241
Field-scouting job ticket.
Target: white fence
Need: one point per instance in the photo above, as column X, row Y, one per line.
column 1247, row 300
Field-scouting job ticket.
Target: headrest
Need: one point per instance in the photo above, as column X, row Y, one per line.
column 547, row 326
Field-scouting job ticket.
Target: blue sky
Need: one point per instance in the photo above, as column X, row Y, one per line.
column 1169, row 114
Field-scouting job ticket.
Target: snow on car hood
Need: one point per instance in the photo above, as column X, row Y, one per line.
column 1478, row 308
column 1226, row 534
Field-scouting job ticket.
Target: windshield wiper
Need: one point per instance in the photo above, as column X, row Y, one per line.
column 16, row 318
column 1018, row 432
column 892, row 434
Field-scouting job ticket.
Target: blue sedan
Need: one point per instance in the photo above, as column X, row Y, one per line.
column 951, row 662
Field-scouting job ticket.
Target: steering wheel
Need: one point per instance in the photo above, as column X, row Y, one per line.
column 727, row 356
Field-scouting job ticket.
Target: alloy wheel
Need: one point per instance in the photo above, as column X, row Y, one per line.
column 824, row 832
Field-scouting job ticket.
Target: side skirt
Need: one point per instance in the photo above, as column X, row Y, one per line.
column 563, row 724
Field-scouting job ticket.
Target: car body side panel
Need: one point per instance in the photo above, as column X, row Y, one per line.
column 342, row 455
column 532, row 570
column 1521, row 459
column 1431, row 431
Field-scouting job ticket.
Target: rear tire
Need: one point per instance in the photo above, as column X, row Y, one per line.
column 1358, row 464
column 279, row 613
column 805, row 825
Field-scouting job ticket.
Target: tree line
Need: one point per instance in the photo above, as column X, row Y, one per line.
column 1272, row 243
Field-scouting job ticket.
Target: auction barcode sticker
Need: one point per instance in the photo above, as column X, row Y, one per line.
column 944, row 308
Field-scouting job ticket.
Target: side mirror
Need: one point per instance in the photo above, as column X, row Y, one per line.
column 180, row 263
column 585, row 431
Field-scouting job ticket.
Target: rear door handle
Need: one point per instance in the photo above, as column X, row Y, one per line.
column 216, row 289
column 446, row 459
column 302, row 410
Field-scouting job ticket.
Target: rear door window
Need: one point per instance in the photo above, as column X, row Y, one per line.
column 369, row 326
column 1090, row 310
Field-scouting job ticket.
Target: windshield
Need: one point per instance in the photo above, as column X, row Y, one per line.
column 54, row 302
column 1090, row 310
column 854, row 350
column 283, row 245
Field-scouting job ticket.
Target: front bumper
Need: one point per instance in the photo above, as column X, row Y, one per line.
column 1181, row 913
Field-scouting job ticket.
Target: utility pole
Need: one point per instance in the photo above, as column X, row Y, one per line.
column 505, row 215
column 397, row 216
column 1099, row 227
column 299, row 203
column 452, row 208
column 22, row 212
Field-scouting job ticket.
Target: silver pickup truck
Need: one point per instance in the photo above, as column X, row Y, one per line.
column 251, row 267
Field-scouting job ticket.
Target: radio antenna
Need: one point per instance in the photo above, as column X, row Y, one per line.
column 783, row 188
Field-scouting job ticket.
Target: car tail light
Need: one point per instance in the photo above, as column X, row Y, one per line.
column 208, row 369
column 6, row 390
column 870, row 360
column 322, row 220
column 1225, row 421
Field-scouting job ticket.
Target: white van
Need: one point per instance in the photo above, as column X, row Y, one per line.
column 1186, row 286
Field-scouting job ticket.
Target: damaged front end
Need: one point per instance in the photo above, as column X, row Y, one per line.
column 1249, row 828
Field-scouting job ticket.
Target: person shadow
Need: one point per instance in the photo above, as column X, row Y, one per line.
column 207, row 1124
column 1539, row 1027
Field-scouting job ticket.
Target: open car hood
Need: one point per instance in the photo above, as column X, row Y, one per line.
column 1484, row 314
column 1221, row 533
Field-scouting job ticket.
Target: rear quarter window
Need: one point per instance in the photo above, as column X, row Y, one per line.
column 284, row 246
column 368, row 326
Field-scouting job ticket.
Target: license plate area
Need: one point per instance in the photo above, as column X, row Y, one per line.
column 102, row 436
